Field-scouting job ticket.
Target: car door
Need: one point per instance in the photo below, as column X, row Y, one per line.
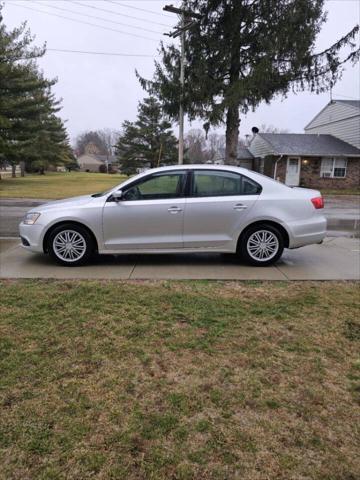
column 219, row 203
column 149, row 215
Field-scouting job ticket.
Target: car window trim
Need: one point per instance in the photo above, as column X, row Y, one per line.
column 195, row 170
column 153, row 175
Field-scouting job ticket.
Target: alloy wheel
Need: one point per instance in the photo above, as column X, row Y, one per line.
column 69, row 246
column 262, row 245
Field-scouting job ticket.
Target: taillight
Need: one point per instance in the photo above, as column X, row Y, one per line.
column 318, row 202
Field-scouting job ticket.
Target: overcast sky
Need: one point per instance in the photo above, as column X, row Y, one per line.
column 100, row 91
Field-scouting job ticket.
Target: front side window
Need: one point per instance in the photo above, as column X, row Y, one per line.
column 157, row 187
column 216, row 184
column 333, row 168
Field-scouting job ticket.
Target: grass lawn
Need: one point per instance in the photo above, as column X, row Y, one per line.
column 179, row 380
column 57, row 185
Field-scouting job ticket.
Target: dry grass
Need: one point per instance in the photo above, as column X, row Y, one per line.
column 57, row 185
column 179, row 380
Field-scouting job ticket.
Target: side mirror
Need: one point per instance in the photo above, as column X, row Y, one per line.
column 117, row 196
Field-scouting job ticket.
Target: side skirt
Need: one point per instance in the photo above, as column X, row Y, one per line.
column 173, row 250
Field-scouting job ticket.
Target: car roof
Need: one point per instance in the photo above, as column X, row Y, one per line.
column 199, row 166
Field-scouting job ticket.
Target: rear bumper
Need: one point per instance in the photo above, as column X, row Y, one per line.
column 32, row 237
column 307, row 232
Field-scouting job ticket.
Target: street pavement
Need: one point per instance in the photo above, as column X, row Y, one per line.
column 337, row 258
column 12, row 211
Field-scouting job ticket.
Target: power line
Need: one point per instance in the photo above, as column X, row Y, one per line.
column 99, row 53
column 137, row 8
column 103, row 19
column 113, row 12
column 84, row 23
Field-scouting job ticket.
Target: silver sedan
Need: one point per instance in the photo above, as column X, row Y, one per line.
column 190, row 208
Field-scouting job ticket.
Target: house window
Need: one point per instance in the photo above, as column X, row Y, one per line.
column 333, row 168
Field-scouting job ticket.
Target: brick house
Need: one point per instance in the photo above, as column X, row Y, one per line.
column 327, row 156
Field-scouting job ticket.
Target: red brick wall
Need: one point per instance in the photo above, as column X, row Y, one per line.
column 310, row 174
column 281, row 170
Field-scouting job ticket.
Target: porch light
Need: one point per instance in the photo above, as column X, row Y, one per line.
column 305, row 161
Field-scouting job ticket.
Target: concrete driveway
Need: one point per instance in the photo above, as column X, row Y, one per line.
column 337, row 258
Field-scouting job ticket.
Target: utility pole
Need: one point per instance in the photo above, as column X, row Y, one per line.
column 182, row 82
column 185, row 24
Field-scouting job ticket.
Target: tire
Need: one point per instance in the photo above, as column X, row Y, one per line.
column 70, row 245
column 261, row 245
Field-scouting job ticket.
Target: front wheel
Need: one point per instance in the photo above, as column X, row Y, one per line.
column 70, row 245
column 261, row 245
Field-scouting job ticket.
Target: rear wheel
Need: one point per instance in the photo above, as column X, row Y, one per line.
column 70, row 245
column 261, row 245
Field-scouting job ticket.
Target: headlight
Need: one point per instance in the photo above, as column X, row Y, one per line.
column 30, row 218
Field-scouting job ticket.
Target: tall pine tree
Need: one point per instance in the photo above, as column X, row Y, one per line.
column 27, row 106
column 149, row 139
column 244, row 52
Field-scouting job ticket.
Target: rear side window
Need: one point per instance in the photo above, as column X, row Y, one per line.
column 215, row 184
column 249, row 187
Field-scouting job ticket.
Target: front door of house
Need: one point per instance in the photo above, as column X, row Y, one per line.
column 292, row 178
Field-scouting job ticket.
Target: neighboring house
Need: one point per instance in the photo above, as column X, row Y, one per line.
column 317, row 159
column 340, row 118
column 96, row 163
column 245, row 158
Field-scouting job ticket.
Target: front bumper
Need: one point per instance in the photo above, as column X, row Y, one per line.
column 32, row 237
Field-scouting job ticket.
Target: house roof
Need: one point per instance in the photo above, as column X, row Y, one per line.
column 243, row 153
column 100, row 158
column 351, row 103
column 308, row 145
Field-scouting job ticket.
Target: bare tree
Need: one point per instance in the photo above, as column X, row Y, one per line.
column 216, row 146
column 103, row 141
column 195, row 145
column 271, row 129
column 110, row 137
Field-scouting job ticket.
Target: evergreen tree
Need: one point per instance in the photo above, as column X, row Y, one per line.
column 149, row 139
column 244, row 52
column 27, row 107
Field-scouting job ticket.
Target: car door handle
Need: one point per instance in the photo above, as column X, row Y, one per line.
column 174, row 210
column 240, row 206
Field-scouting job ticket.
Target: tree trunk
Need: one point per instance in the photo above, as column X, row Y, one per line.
column 232, row 135
column 22, row 168
column 13, row 170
